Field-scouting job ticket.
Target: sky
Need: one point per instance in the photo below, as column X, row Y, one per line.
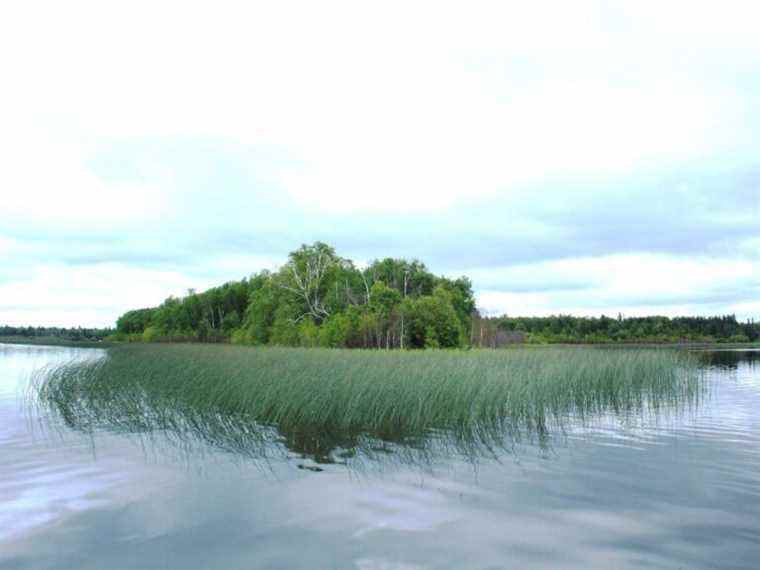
column 578, row 157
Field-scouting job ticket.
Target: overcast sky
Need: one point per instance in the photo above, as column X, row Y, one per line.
column 569, row 157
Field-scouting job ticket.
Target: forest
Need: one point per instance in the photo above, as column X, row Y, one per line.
column 318, row 298
column 566, row 329
column 71, row 334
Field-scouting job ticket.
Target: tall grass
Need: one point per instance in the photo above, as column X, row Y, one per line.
column 317, row 400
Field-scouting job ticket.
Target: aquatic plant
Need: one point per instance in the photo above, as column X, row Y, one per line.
column 318, row 400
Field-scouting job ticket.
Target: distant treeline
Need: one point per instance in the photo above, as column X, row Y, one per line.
column 497, row 331
column 320, row 299
column 73, row 334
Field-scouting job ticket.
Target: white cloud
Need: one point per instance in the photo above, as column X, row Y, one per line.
column 89, row 295
column 7, row 246
column 394, row 106
column 95, row 295
column 46, row 181
column 634, row 284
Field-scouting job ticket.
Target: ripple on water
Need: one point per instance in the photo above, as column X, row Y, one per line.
column 681, row 491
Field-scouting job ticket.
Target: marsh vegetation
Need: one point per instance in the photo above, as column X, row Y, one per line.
column 324, row 403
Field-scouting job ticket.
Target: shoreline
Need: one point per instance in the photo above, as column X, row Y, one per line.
column 52, row 341
column 48, row 341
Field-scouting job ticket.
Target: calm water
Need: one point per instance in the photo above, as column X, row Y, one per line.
column 678, row 491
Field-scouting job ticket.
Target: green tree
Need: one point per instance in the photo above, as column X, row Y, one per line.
column 334, row 331
column 432, row 319
column 308, row 277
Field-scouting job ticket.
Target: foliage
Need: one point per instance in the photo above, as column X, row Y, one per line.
column 317, row 299
column 655, row 329
column 433, row 322
column 321, row 299
column 54, row 334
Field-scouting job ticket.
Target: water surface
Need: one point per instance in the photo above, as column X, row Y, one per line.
column 676, row 490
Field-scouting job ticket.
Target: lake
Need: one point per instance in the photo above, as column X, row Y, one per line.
column 676, row 489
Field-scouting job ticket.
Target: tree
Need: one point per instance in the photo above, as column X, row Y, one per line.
column 384, row 303
column 308, row 276
column 432, row 320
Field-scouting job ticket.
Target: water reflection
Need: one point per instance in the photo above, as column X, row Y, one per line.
column 155, row 420
column 679, row 492
column 730, row 358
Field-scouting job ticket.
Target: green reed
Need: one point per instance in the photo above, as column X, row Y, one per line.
column 318, row 400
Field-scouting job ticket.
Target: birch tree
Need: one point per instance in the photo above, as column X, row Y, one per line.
column 309, row 275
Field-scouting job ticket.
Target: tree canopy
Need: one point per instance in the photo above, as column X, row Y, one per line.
column 652, row 329
column 73, row 334
column 318, row 298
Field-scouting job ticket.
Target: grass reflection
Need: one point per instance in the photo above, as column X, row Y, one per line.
column 343, row 406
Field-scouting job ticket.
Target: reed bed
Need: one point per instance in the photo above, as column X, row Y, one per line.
column 320, row 400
